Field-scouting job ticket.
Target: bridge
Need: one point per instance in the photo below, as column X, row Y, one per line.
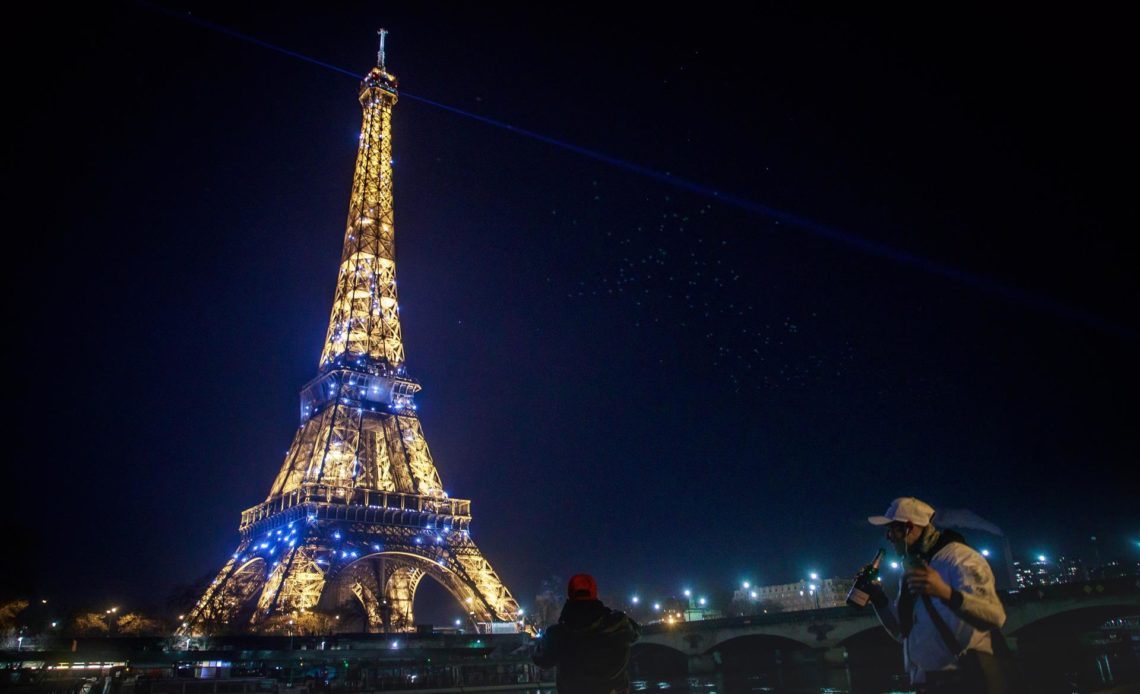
column 830, row 630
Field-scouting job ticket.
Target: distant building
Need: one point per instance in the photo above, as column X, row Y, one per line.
column 673, row 609
column 1031, row 573
column 792, row 597
column 1041, row 572
column 1115, row 569
column 1070, row 570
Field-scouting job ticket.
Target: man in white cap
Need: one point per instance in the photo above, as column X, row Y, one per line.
column 947, row 604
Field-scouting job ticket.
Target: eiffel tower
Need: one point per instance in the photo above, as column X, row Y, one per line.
column 357, row 516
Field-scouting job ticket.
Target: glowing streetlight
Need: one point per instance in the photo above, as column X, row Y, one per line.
column 657, row 606
column 746, row 585
column 985, row 553
column 635, row 599
column 688, row 593
column 701, row 601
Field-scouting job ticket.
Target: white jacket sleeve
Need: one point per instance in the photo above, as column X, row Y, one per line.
column 974, row 596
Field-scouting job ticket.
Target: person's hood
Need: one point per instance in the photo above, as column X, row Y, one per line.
column 589, row 615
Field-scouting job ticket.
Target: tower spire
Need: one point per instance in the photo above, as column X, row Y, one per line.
column 364, row 328
column 380, row 54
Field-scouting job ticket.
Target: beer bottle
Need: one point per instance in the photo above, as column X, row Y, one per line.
column 869, row 574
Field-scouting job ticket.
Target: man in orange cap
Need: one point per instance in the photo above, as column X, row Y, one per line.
column 590, row 643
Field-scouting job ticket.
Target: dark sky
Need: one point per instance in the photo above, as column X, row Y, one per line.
column 626, row 375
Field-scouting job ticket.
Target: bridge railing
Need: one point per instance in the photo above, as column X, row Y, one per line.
column 1119, row 586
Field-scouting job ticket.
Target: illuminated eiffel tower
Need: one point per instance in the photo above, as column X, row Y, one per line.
column 357, row 516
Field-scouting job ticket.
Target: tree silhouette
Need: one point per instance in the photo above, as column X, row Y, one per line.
column 135, row 624
column 9, row 613
column 90, row 624
column 548, row 602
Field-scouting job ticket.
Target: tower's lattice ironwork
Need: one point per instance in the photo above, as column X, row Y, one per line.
column 357, row 516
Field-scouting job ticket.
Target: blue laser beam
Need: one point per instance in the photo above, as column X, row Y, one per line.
column 903, row 257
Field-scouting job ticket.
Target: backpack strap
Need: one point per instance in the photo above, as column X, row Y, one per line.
column 943, row 629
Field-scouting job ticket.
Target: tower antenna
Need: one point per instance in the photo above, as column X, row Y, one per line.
column 380, row 54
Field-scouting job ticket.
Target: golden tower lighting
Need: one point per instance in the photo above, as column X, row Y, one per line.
column 357, row 516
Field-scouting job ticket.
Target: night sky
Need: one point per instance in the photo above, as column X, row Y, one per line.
column 755, row 277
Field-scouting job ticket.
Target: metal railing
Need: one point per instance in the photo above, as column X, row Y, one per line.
column 459, row 509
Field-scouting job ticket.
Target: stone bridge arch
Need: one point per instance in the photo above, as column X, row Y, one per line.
column 814, row 629
column 657, row 661
column 749, row 651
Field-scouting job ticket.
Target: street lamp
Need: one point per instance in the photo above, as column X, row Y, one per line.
column 813, row 589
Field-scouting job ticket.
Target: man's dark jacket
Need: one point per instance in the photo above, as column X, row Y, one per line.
column 590, row 646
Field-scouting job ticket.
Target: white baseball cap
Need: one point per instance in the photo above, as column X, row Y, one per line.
column 905, row 509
